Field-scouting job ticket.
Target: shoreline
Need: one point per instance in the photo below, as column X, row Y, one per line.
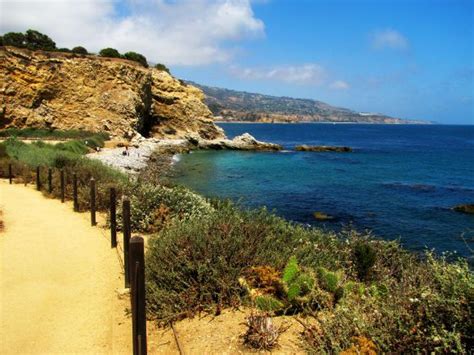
column 335, row 123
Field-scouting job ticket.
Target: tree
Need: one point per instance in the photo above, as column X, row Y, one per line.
column 65, row 50
column 16, row 39
column 137, row 57
column 79, row 50
column 109, row 52
column 1, row 40
column 37, row 40
column 162, row 67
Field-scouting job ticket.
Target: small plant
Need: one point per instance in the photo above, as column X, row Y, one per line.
column 329, row 281
column 365, row 257
column 262, row 334
column 268, row 303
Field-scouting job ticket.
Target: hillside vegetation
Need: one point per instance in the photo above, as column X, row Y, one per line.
column 350, row 291
column 231, row 105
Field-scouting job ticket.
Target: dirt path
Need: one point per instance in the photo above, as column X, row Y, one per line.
column 58, row 280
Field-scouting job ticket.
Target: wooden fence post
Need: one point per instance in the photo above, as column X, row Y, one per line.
column 92, row 201
column 74, row 192
column 137, row 293
column 50, row 180
column 126, row 238
column 113, row 217
column 62, row 185
column 38, row 179
column 10, row 174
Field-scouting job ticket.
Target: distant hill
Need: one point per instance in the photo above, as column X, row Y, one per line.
column 234, row 106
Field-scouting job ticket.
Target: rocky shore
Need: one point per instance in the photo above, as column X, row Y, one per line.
column 135, row 156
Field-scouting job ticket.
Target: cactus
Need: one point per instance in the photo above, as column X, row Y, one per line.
column 268, row 303
column 328, row 280
column 291, row 270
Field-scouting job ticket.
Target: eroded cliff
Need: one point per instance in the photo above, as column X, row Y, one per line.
column 68, row 91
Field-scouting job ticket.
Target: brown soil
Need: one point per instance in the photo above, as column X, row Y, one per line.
column 58, row 280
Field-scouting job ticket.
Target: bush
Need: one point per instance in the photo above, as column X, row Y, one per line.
column 136, row 57
column 16, row 39
column 79, row 50
column 110, row 53
column 64, row 50
column 365, row 256
column 162, row 67
column 154, row 206
column 196, row 263
column 36, row 40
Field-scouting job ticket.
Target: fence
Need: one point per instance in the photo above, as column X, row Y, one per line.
column 133, row 248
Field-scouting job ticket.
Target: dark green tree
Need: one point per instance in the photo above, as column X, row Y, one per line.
column 15, row 39
column 136, row 57
column 65, row 50
column 162, row 67
column 37, row 40
column 79, row 50
column 1, row 40
column 109, row 52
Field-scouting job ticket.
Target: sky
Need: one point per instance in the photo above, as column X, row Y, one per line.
column 405, row 58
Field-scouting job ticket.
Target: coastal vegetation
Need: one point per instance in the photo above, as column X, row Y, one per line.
column 351, row 291
column 35, row 40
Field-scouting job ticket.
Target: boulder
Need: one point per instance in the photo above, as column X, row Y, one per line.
column 242, row 142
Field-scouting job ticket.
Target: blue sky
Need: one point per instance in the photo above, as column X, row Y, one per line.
column 405, row 58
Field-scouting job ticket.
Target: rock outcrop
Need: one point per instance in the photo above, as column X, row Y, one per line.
column 322, row 148
column 242, row 142
column 69, row 91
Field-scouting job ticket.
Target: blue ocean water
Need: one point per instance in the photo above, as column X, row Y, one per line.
column 400, row 181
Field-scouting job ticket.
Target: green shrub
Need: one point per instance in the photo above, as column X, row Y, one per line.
column 364, row 257
column 136, row 57
column 110, row 53
column 153, row 206
column 16, row 39
column 79, row 50
column 162, row 67
column 36, row 40
column 195, row 263
column 329, row 281
column 291, row 270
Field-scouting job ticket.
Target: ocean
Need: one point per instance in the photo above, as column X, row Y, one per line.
column 400, row 181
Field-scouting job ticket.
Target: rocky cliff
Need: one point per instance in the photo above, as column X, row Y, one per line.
column 70, row 91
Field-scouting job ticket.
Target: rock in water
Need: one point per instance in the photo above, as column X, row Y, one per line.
column 321, row 216
column 321, row 148
column 467, row 208
column 56, row 90
column 242, row 142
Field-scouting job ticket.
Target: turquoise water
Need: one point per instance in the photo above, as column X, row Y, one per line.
column 400, row 182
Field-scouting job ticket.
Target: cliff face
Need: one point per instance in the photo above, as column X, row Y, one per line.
column 67, row 91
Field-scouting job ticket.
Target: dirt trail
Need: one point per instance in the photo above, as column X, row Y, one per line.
column 58, row 280
column 58, row 290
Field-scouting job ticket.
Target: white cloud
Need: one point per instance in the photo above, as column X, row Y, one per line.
column 339, row 85
column 307, row 74
column 389, row 38
column 193, row 32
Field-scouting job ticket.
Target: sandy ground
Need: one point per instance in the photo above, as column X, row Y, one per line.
column 61, row 290
column 58, row 280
